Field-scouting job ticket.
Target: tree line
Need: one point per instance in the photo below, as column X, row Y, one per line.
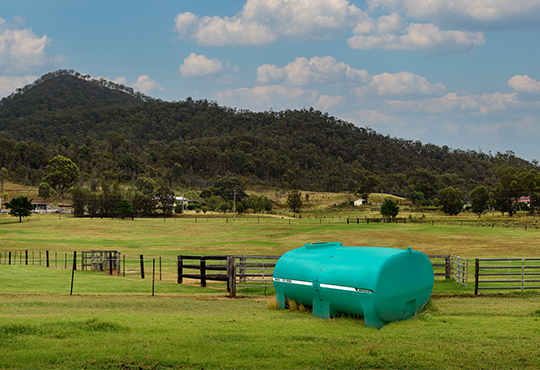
column 116, row 136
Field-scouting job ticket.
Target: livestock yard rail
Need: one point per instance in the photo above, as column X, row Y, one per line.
column 244, row 271
column 507, row 273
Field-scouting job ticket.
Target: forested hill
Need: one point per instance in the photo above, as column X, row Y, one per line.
column 115, row 134
column 66, row 89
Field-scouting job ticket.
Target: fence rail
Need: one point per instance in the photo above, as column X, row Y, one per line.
column 245, row 271
column 520, row 274
column 460, row 270
column 441, row 264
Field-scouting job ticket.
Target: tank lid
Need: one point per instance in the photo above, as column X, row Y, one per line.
column 323, row 245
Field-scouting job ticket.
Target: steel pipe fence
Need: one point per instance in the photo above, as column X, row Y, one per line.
column 460, row 270
column 507, row 274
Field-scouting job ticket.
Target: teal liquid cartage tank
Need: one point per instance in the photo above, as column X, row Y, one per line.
column 381, row 284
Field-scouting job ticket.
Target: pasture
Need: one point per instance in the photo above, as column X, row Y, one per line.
column 114, row 323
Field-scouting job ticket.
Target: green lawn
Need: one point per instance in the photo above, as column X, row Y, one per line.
column 114, row 322
column 197, row 331
column 269, row 236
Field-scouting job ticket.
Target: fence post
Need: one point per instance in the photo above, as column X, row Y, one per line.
column 448, row 268
column 203, row 271
column 231, row 275
column 180, row 269
column 159, row 268
column 47, row 257
column 73, row 271
column 26, row 256
column 110, row 263
column 10, row 258
column 65, row 261
column 154, row 272
column 142, row 267
column 124, row 259
column 476, row 277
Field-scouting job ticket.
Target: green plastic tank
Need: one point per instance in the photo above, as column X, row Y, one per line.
column 381, row 284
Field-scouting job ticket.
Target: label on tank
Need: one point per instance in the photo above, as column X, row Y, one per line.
column 347, row 288
column 290, row 281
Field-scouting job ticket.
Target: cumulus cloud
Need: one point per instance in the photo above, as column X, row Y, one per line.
column 524, row 83
column 146, row 85
column 118, row 80
column 21, row 49
column 373, row 116
column 398, row 84
column 264, row 21
column 199, row 65
column 265, row 97
column 10, row 84
column 451, row 102
column 326, row 103
column 467, row 13
column 317, row 70
column 417, row 36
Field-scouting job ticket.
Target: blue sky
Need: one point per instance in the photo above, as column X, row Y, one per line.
column 461, row 73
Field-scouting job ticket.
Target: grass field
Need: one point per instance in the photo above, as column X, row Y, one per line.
column 256, row 236
column 115, row 323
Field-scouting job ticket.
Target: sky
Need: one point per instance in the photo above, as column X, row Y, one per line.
column 460, row 73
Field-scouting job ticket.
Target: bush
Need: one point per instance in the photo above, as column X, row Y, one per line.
column 178, row 208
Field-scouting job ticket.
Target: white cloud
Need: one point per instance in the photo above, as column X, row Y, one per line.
column 483, row 104
column 398, row 84
column 118, row 80
column 417, row 36
column 278, row 97
column 146, row 85
column 10, row 84
column 466, row 12
column 264, row 21
column 524, row 83
column 21, row 49
column 372, row 116
column 317, row 70
column 327, row 103
column 199, row 65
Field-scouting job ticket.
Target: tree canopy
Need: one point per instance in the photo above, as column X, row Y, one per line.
column 61, row 174
column 294, row 201
column 451, row 200
column 20, row 207
column 389, row 208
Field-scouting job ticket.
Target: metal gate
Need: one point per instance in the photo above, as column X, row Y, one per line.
column 507, row 273
column 460, row 270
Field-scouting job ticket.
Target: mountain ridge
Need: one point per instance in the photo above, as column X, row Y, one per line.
column 108, row 125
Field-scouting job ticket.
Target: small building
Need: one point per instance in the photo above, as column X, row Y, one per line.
column 359, row 202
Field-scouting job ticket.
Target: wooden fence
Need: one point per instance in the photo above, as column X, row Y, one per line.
column 442, row 265
column 241, row 271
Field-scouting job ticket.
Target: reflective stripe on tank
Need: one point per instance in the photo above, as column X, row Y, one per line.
column 290, row 281
column 347, row 288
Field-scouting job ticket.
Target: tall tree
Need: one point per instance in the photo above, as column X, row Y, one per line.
column 367, row 183
column 294, row 201
column 450, row 200
column 20, row 207
column 61, row 174
column 508, row 190
column 479, row 200
column 389, row 208
column 165, row 198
